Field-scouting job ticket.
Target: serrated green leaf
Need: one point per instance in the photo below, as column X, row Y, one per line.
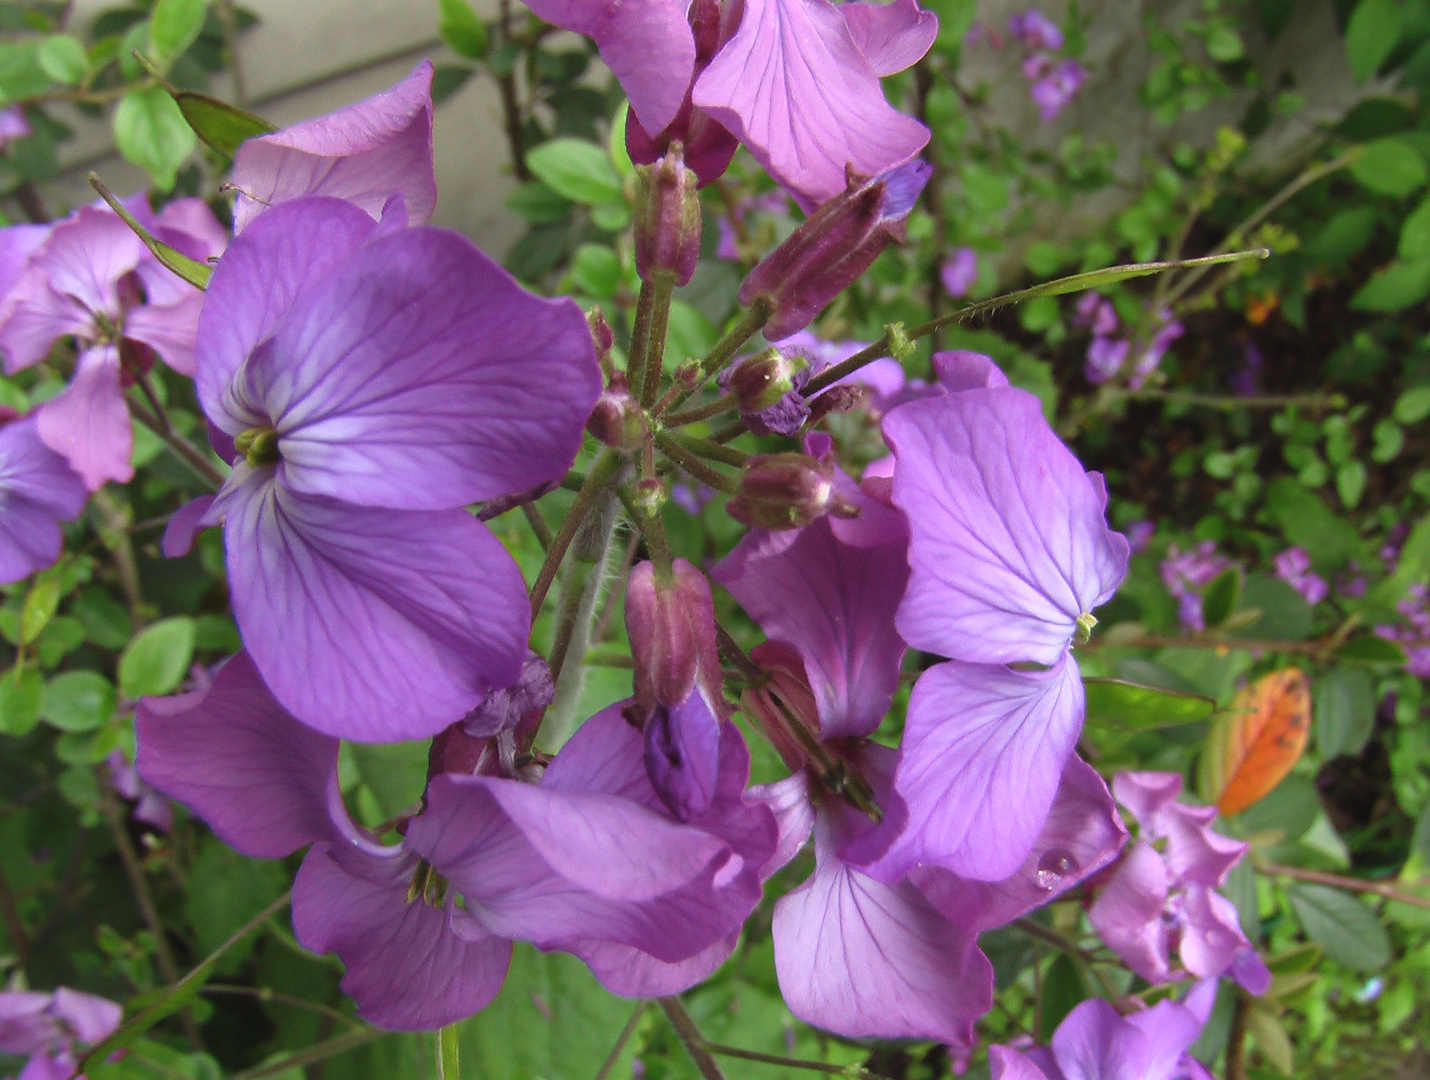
column 1344, row 927
column 63, row 59
column 174, row 25
column 1371, row 34
column 1132, row 707
column 78, row 701
column 156, row 661
column 463, row 30
column 150, row 130
column 1389, row 166
column 577, row 170
column 1221, row 596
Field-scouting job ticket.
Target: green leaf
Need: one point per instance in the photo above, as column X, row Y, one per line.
column 225, row 891
column 577, row 170
column 611, row 216
column 1398, row 286
column 1304, row 519
column 1132, row 707
column 156, row 661
column 1344, row 235
column 395, row 772
column 1350, row 483
column 1370, row 649
column 63, row 59
column 1413, row 406
column 150, row 130
column 462, row 29
column 1345, row 711
column 194, row 272
column 41, row 603
column 1344, row 927
column 1224, row 44
column 79, row 701
column 1389, row 166
column 174, row 26
column 21, row 74
column 106, row 621
column 221, row 126
column 1064, row 988
column 22, row 691
column 1290, row 808
column 1271, row 1038
column 1220, row 598
column 596, row 271
column 1415, row 234
column 1371, row 35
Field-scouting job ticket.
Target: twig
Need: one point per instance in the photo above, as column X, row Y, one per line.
column 1033, row 928
column 853, row 1071
column 1231, row 402
column 690, row 1036
column 538, row 525
column 1318, row 877
column 511, row 104
column 182, row 448
column 263, row 993
column 350, row 1040
column 1236, row 1038
column 621, row 1040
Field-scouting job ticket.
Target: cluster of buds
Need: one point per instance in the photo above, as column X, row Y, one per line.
column 767, row 389
column 787, row 491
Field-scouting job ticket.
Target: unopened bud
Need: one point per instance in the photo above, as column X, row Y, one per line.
column 649, row 495
column 618, row 419
column 832, row 249
column 783, row 706
column 601, row 334
column 787, row 491
column 760, row 381
column 667, row 218
column 672, row 630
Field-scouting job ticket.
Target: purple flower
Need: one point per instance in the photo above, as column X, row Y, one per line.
column 364, row 154
column 1010, row 552
column 1160, row 900
column 587, row 861
column 13, row 125
column 1415, row 608
column 1139, row 535
column 1054, row 84
column 38, row 490
column 1186, row 574
column 150, row 806
column 1293, row 566
column 797, row 81
column 1169, row 331
column 91, row 278
column 1035, row 30
column 376, row 380
column 960, row 271
column 855, row 954
column 48, row 1028
column 1094, row 1042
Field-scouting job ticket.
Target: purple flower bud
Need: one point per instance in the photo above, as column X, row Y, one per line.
column 672, row 630
column 787, row 491
column 667, row 219
column 682, row 755
column 960, row 271
column 601, row 334
column 617, row 420
column 768, row 387
column 838, row 242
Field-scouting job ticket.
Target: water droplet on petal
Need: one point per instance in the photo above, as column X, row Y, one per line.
column 1055, row 865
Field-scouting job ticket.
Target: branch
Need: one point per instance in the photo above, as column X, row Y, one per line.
column 1318, row 877
column 690, row 1035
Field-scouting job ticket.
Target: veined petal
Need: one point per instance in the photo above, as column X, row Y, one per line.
column 834, row 600
column 369, row 624
column 984, row 750
column 1170, row 1029
column 266, row 784
column 408, row 968
column 88, row 423
column 793, row 86
column 647, row 44
column 862, row 958
column 419, row 375
column 893, row 36
column 791, row 802
column 363, row 154
column 1009, row 543
column 38, row 489
column 260, row 276
column 1095, row 1043
column 1082, row 834
column 1127, row 914
column 184, row 527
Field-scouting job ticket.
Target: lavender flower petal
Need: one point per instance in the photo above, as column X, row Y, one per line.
column 37, row 491
column 893, row 36
column 88, row 422
column 1128, row 913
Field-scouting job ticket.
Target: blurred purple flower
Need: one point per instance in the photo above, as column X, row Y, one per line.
column 1245, row 379
column 1293, row 566
column 38, row 490
column 49, row 1028
column 770, row 202
column 1010, row 553
column 1162, row 895
column 150, row 806
column 91, row 278
column 1055, row 84
column 587, row 861
column 1094, row 1042
column 1416, row 610
column 1151, row 357
column 691, row 496
column 13, row 125
column 960, row 271
column 1186, row 574
column 1139, row 535
column 376, row 380
column 1035, row 31
column 364, row 154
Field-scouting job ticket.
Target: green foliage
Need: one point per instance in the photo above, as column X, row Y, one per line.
column 151, row 131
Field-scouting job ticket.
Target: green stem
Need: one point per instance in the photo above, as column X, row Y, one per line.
column 1033, row 928
column 180, row 992
column 1232, row 403
column 690, row 1036
column 601, row 474
column 341, row 1044
column 659, row 329
column 449, row 1053
column 621, row 1040
column 712, row 451
column 538, row 525
column 855, row 1072
column 640, row 339
column 184, row 450
column 695, row 467
column 723, row 404
column 752, row 323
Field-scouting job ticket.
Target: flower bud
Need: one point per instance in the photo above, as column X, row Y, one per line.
column 682, row 755
column 601, row 334
column 667, row 218
column 784, row 706
column 760, row 381
column 829, row 252
column 618, row 419
column 672, row 630
column 787, row 491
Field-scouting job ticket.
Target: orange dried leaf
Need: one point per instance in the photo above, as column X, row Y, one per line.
column 1260, row 739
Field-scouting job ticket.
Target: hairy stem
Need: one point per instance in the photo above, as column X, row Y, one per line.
column 657, row 331
column 690, row 1036
column 695, row 467
column 587, row 499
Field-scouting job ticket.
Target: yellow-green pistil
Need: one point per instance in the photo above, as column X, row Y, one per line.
column 258, row 445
